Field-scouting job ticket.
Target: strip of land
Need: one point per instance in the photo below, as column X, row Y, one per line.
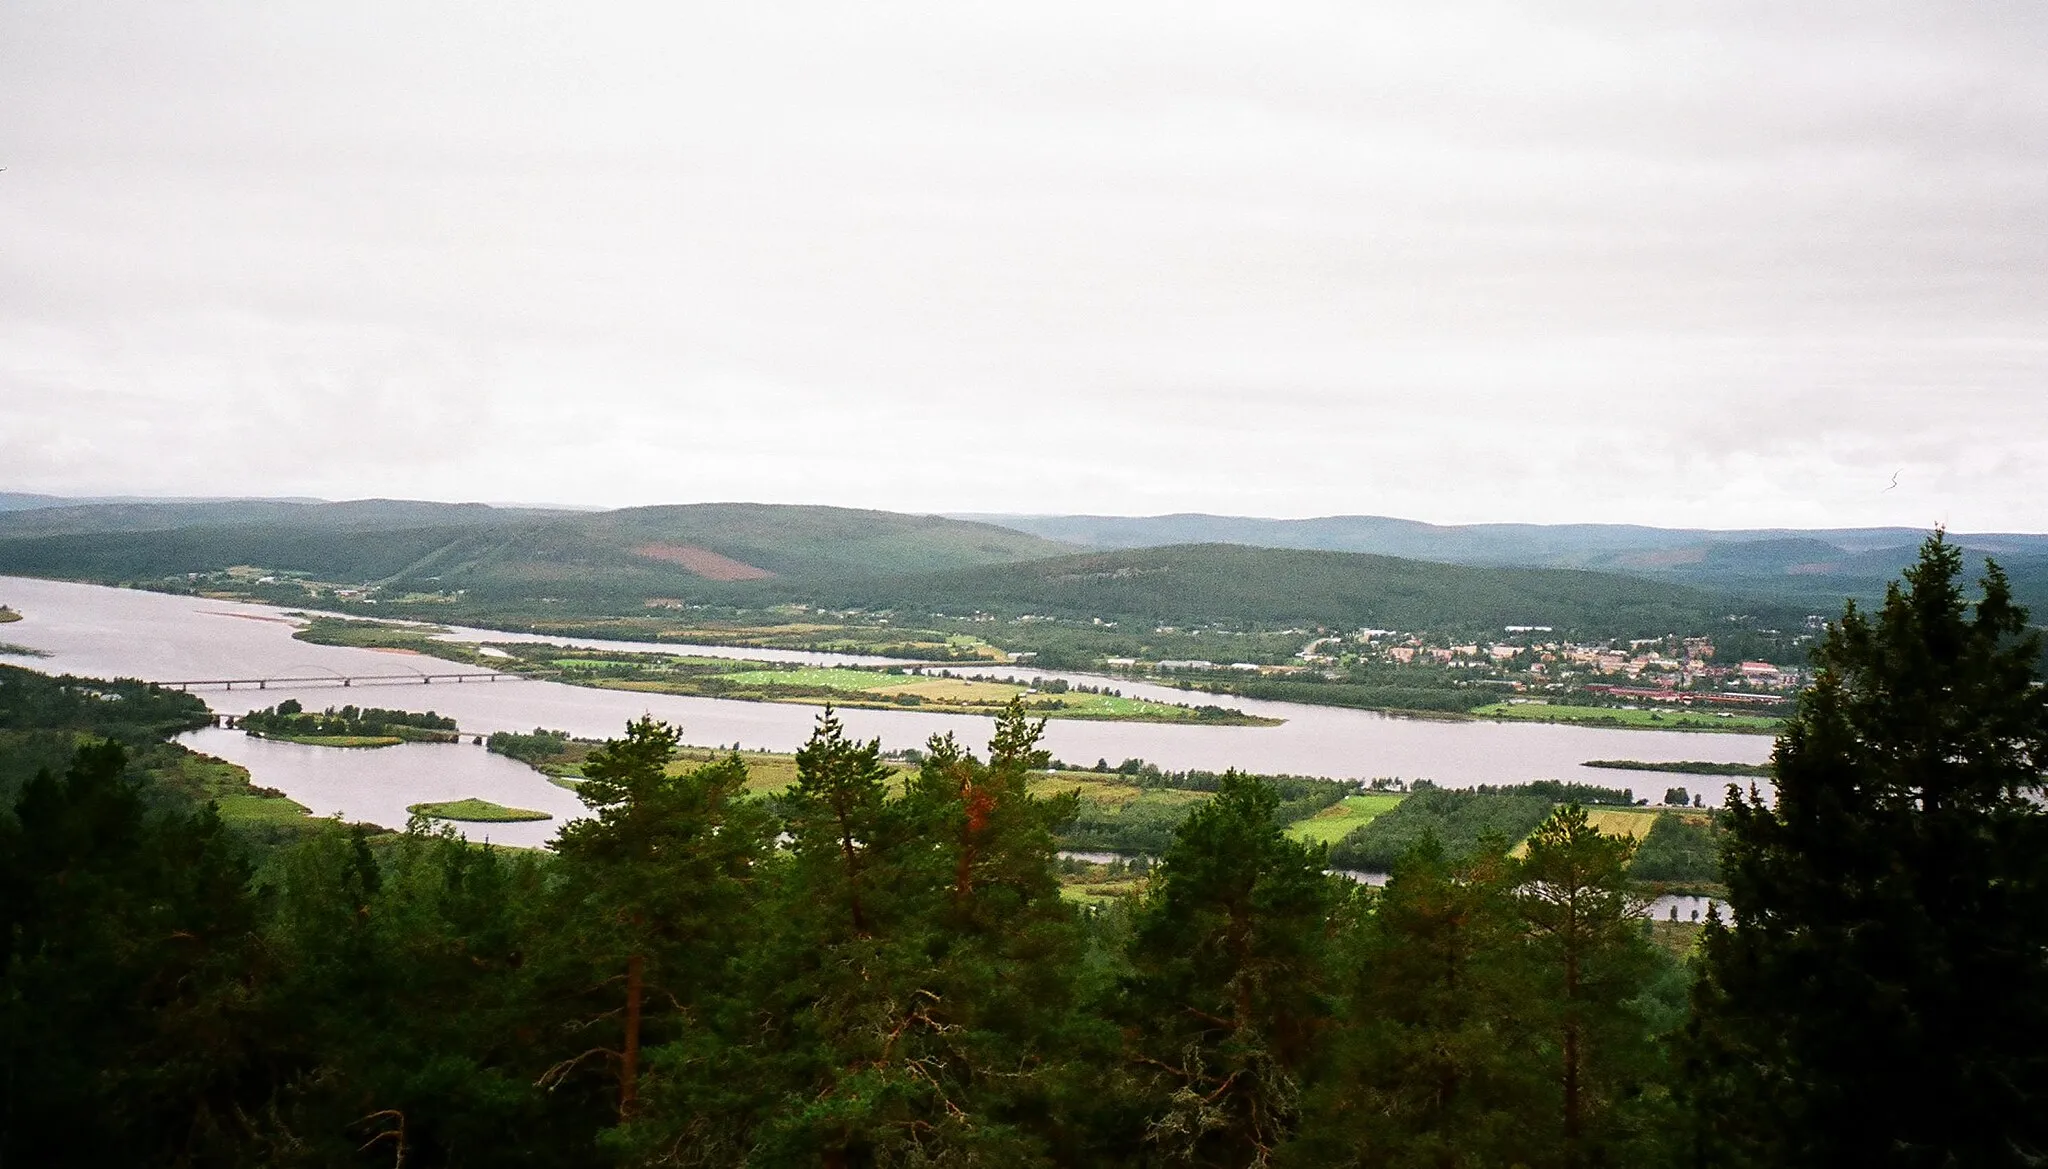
column 1685, row 767
column 891, row 688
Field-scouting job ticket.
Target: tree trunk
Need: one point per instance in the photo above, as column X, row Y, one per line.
column 629, row 1061
column 1571, row 1052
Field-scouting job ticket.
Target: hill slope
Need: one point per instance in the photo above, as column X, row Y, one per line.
column 1236, row 586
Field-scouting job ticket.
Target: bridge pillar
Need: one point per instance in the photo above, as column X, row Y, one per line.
column 346, row 681
column 262, row 684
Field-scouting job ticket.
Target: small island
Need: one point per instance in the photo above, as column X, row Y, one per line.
column 347, row 726
column 1684, row 767
column 7, row 615
column 476, row 811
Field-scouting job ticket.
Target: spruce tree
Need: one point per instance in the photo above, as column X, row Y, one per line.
column 1882, row 997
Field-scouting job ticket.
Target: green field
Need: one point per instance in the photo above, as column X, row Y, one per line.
column 476, row 811
column 1675, row 719
column 203, row 778
column 335, row 740
column 1337, row 821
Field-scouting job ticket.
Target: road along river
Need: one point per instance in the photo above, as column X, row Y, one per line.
column 95, row 631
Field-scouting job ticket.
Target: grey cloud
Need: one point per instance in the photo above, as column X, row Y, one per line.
column 1700, row 263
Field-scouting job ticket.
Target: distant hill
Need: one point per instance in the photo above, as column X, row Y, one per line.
column 609, row 557
column 76, row 517
column 1607, row 577
column 1790, row 566
column 1238, row 586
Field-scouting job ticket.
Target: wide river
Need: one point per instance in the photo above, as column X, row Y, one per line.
column 102, row 632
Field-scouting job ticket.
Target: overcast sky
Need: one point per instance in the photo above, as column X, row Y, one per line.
column 1703, row 263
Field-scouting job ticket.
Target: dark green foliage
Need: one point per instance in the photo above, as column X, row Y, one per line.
column 1684, row 767
column 1230, row 983
column 124, row 1029
column 1240, row 587
column 537, row 747
column 651, row 908
column 1440, row 1060
column 1881, row 999
column 1562, row 792
column 1459, row 821
column 288, row 718
column 1590, row 958
column 123, row 709
column 1679, row 850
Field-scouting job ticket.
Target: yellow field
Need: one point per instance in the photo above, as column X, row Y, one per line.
column 949, row 690
column 1634, row 823
column 767, row 771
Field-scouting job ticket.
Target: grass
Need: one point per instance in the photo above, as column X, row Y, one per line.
column 1676, row 719
column 1112, row 791
column 203, row 778
column 1338, row 820
column 1677, row 938
column 1087, row 891
column 477, row 811
column 335, row 740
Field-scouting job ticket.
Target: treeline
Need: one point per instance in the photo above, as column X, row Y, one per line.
column 538, row 747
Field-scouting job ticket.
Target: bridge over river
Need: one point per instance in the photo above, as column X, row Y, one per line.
column 340, row 680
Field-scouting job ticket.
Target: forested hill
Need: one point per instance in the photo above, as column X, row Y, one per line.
column 1795, row 567
column 1236, row 586
column 598, row 558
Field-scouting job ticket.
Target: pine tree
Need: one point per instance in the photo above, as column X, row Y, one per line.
column 1590, row 959
column 1430, row 1063
column 658, row 890
column 1231, row 985
column 1881, row 998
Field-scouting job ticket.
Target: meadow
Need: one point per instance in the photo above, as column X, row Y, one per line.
column 1341, row 819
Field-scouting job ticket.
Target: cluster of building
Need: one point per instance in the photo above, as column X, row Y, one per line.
column 1677, row 669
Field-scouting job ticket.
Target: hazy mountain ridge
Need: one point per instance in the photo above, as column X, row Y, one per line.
column 1786, row 564
column 750, row 554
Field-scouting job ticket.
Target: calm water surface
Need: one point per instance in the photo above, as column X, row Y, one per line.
column 103, row 632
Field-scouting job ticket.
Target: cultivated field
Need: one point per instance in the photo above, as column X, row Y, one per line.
column 1338, row 820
